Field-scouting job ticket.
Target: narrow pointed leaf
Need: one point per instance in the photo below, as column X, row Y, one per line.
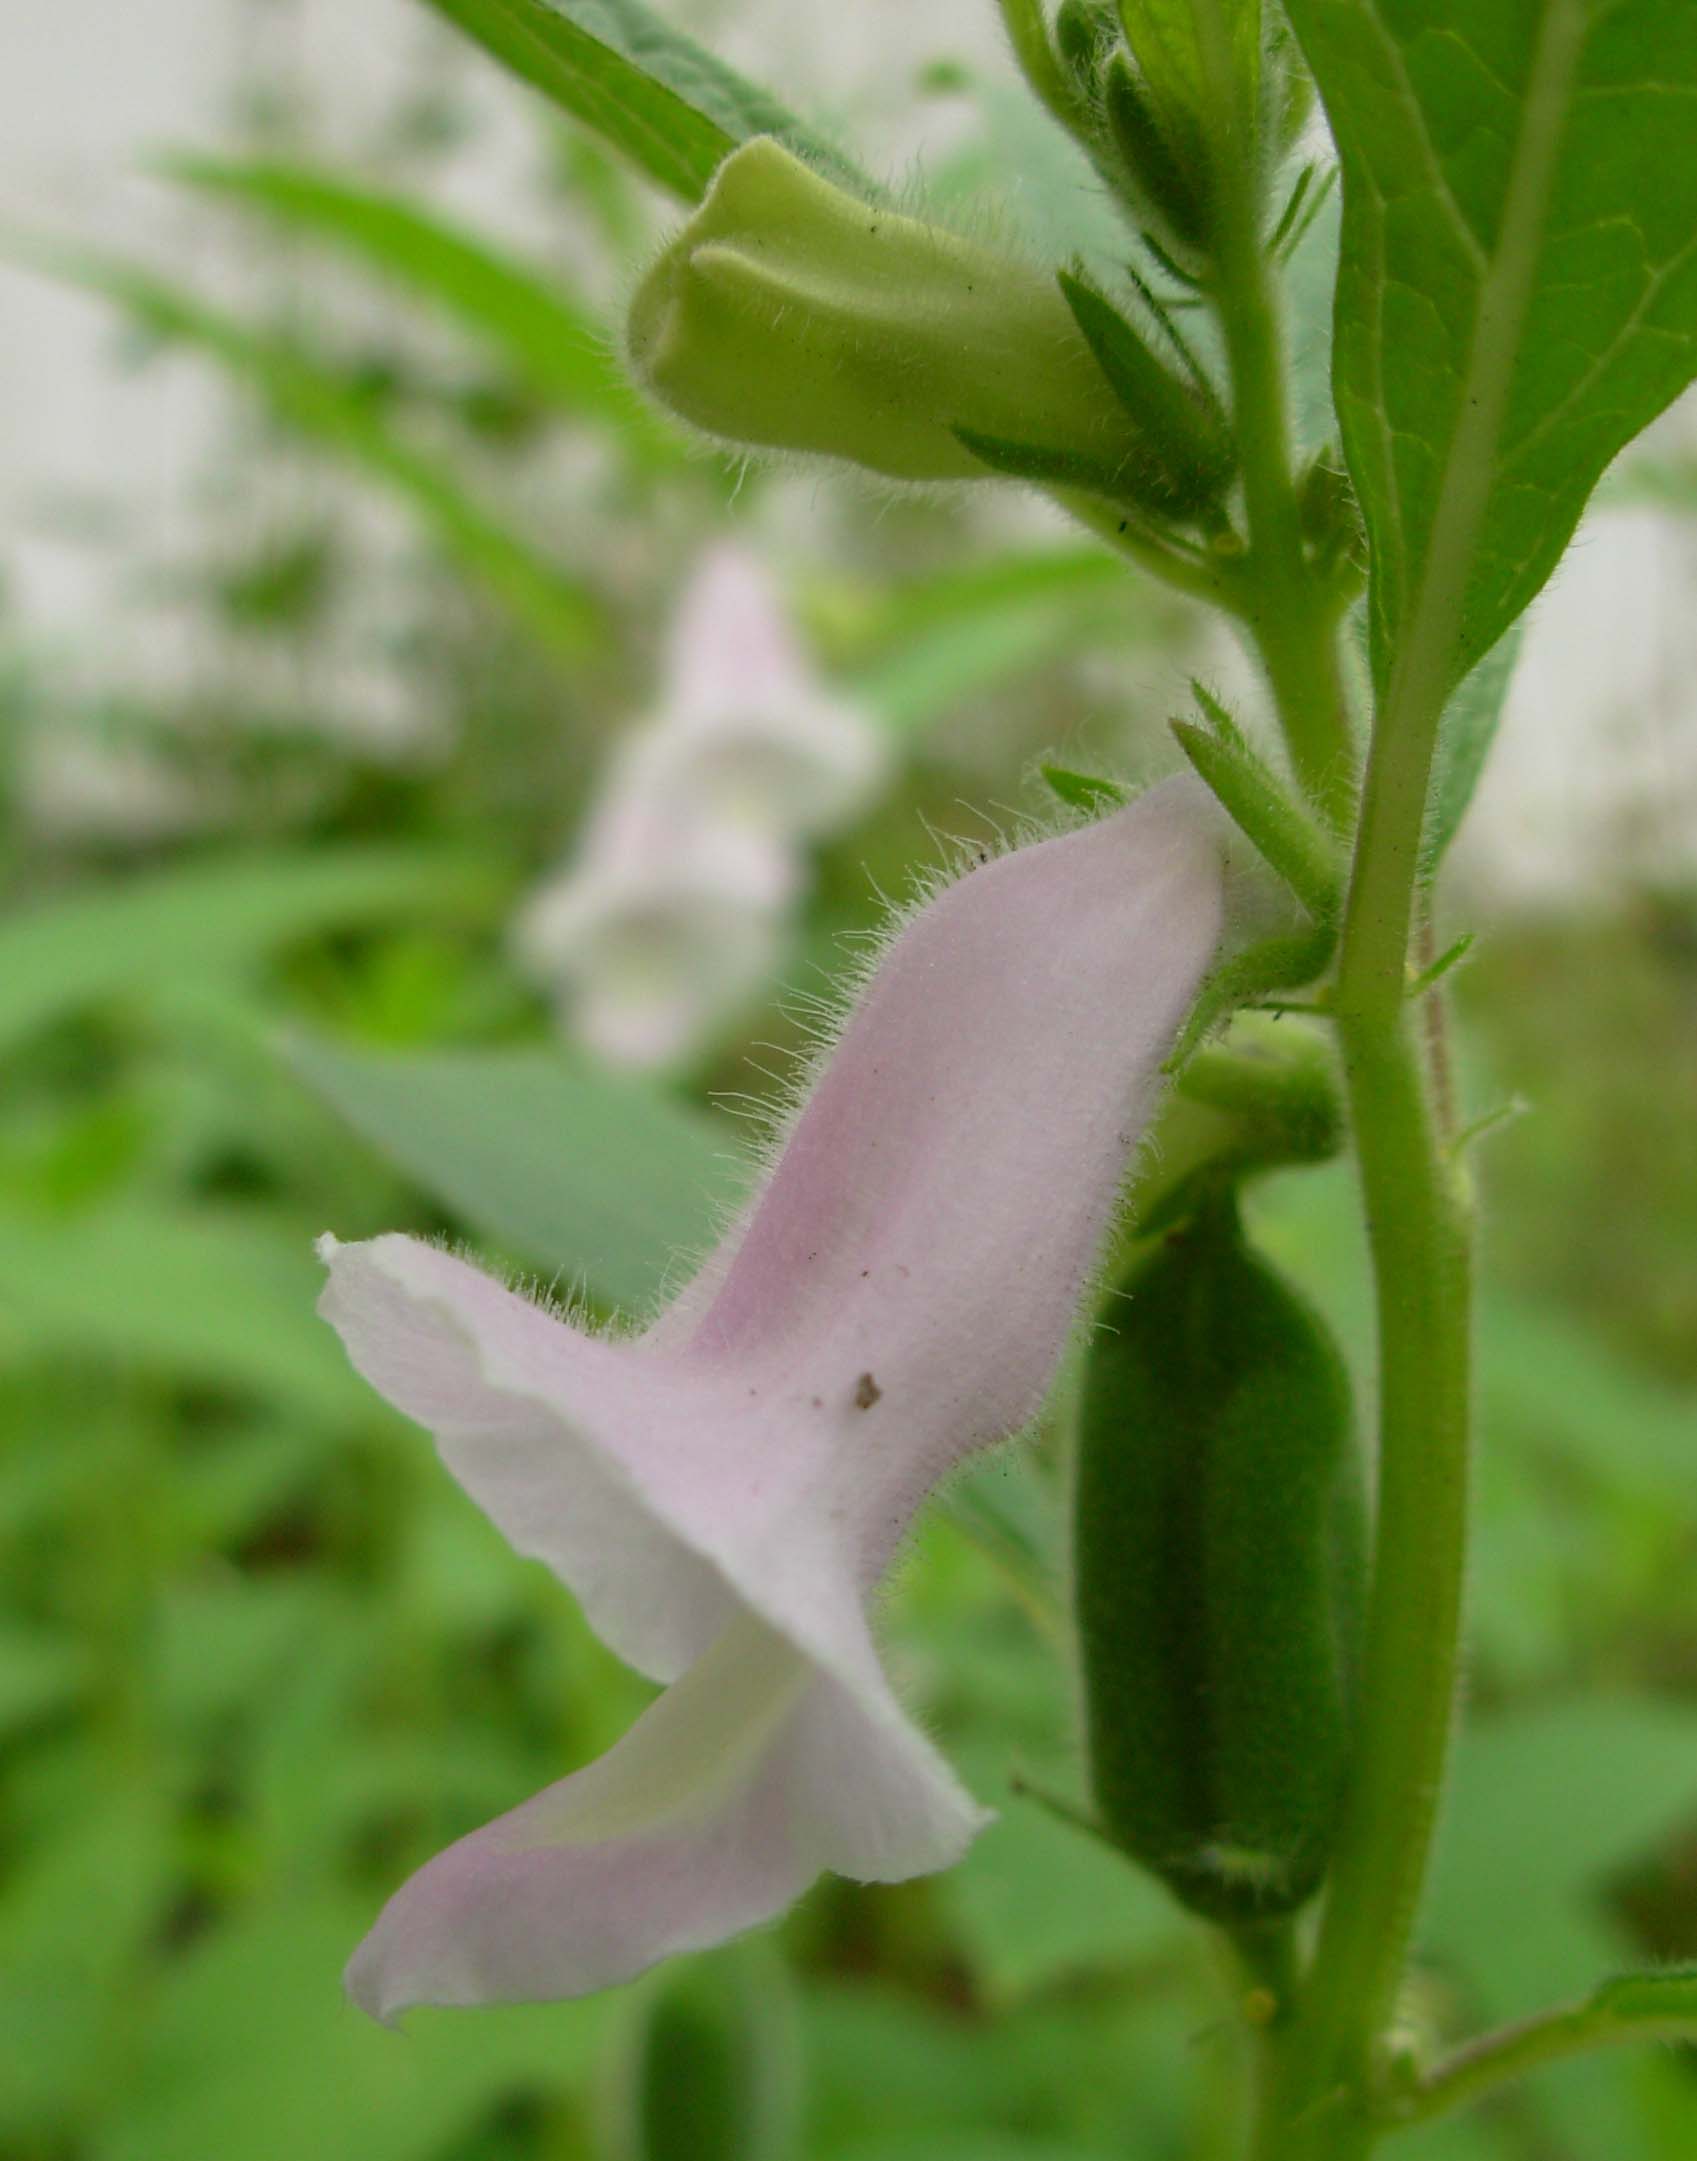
column 1517, row 295
column 1189, row 434
column 1286, row 961
column 1464, row 743
column 1084, row 791
column 669, row 105
column 1280, row 829
column 1167, row 38
column 309, row 397
column 552, row 342
column 221, row 912
column 1127, row 481
column 589, row 1177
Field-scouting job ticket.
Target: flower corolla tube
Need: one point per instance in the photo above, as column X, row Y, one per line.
column 724, row 1491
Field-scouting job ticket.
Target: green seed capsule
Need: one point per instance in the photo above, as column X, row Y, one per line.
column 706, row 2067
column 1219, row 1563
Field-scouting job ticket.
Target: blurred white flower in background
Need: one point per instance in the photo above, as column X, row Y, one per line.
column 674, row 908
column 746, row 725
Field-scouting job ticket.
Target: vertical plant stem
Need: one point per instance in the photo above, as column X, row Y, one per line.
column 1316, row 2101
column 1318, row 2062
column 1289, row 613
column 1290, row 617
column 1420, row 1238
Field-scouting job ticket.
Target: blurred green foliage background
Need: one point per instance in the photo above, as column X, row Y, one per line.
column 258, row 1656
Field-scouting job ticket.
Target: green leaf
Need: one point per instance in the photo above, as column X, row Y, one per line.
column 1140, row 478
column 309, row 397
column 1166, row 36
column 939, row 641
column 1632, row 1999
column 1518, row 289
column 1465, row 736
column 1037, row 1902
column 1547, row 1805
column 1461, row 2138
column 218, row 2066
column 1552, row 1385
column 670, row 106
column 589, row 1178
column 1185, row 425
column 208, row 1293
column 979, row 593
column 40, row 1673
column 558, row 347
column 1087, row 792
column 1278, row 827
column 222, row 912
column 60, row 1984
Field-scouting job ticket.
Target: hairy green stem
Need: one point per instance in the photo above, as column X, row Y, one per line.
column 1316, row 2099
column 1186, row 569
column 1290, row 614
column 1318, row 2091
column 1318, row 2082
column 1417, row 1214
column 1420, row 1238
column 1573, row 2029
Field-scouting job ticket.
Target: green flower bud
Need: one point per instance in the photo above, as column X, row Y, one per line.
column 1164, row 159
column 1086, row 32
column 1219, row 1563
column 706, row 2067
column 1288, row 88
column 792, row 315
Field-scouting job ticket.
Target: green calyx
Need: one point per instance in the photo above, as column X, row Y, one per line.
column 1190, row 447
column 1162, row 159
column 1263, row 1097
column 790, row 315
column 1086, row 32
column 1219, row 1564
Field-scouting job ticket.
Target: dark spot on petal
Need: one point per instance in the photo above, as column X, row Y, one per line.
column 866, row 1392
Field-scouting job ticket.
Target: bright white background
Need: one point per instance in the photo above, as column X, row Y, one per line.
column 1596, row 777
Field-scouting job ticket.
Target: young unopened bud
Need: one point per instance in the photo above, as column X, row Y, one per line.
column 1219, row 1568
column 793, row 316
column 1163, row 156
column 1287, row 88
column 707, row 2066
column 1086, row 32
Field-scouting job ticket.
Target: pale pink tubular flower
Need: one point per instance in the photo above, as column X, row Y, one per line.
column 724, row 1491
